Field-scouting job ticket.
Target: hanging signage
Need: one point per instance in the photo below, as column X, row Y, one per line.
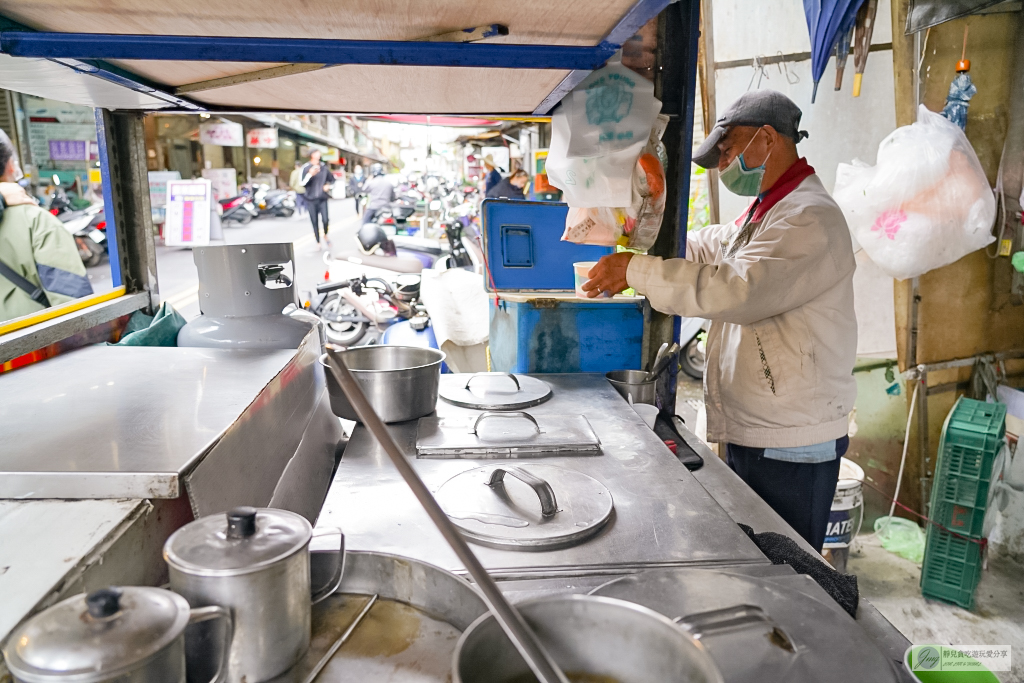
column 69, row 150
column 223, row 133
column 224, row 182
column 188, row 213
column 158, row 187
column 265, row 138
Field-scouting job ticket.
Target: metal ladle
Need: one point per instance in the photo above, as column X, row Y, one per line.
column 511, row 622
column 661, row 360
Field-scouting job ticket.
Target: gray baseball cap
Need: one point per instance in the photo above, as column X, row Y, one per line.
column 754, row 108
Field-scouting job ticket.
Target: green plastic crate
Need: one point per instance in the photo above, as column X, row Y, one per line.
column 951, row 569
column 971, row 439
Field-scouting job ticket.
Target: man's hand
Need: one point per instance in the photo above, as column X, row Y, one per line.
column 609, row 275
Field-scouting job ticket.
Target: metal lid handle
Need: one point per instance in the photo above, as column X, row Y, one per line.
column 513, row 413
column 548, row 504
column 494, row 374
column 241, row 522
column 736, row 617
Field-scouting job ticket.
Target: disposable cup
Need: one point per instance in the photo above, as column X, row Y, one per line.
column 580, row 271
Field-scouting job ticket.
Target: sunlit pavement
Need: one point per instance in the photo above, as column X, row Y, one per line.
column 179, row 282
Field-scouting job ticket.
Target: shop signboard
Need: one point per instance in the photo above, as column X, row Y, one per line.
column 262, row 138
column 223, row 133
column 69, row 150
column 188, row 213
column 224, row 182
column 158, row 187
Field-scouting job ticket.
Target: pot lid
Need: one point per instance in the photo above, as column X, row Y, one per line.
column 762, row 630
column 242, row 540
column 493, row 391
column 93, row 637
column 528, row 507
column 505, row 434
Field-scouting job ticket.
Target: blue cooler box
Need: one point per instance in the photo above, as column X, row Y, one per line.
column 538, row 324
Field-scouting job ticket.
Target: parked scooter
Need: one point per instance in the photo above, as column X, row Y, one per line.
column 89, row 228
column 238, row 209
column 691, row 336
column 356, row 312
column 278, row 203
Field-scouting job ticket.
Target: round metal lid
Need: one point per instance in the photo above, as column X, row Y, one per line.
column 528, row 507
column 94, row 637
column 494, row 391
column 242, row 540
column 762, row 630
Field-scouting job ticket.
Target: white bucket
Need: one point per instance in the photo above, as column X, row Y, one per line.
column 847, row 506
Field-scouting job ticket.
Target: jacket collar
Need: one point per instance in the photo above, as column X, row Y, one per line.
column 786, row 183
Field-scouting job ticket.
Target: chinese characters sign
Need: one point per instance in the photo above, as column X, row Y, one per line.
column 188, row 213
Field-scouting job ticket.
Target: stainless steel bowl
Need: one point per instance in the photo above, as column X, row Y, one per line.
column 587, row 636
column 400, row 382
column 634, row 382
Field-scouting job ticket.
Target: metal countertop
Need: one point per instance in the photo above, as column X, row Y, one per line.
column 125, row 422
column 663, row 516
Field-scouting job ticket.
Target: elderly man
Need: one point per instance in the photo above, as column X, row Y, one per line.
column 777, row 285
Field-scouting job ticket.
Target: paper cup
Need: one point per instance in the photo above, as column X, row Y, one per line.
column 580, row 270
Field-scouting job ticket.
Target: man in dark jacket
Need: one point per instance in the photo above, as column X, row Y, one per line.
column 379, row 193
column 317, row 179
column 512, row 187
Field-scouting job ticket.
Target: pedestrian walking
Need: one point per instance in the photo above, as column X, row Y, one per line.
column 355, row 184
column 380, row 193
column 492, row 177
column 317, row 180
column 295, row 182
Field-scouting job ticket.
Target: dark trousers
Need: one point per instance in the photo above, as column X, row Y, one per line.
column 800, row 492
column 317, row 210
column 369, row 215
column 300, row 203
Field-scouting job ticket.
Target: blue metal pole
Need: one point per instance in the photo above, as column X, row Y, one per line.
column 302, row 50
column 108, row 201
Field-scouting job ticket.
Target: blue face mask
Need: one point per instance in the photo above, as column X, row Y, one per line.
column 741, row 180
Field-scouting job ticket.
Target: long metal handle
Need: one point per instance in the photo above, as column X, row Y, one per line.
column 339, row 569
column 511, row 622
column 494, row 374
column 339, row 642
column 201, row 614
column 548, row 504
column 738, row 616
column 510, row 413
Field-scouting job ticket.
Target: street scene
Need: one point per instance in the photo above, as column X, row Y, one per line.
column 674, row 341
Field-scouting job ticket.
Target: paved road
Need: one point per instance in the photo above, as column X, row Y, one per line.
column 179, row 282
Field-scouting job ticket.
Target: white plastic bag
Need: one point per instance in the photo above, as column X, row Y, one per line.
column 924, row 205
column 611, row 110
column 588, row 182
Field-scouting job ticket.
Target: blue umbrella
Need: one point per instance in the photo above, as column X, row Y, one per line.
column 826, row 21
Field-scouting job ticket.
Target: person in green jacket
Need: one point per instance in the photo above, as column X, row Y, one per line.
column 295, row 182
column 34, row 247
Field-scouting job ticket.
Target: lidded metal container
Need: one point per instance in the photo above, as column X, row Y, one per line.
column 255, row 562
column 125, row 634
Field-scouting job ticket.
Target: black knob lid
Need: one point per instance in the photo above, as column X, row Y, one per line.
column 103, row 603
column 241, row 522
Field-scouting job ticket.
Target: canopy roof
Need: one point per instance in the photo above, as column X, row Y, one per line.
column 191, row 67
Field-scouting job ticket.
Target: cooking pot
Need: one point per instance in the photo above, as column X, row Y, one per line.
column 255, row 562
column 400, row 382
column 588, row 637
column 129, row 634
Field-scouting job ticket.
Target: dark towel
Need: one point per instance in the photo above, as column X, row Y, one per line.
column 784, row 550
column 665, row 430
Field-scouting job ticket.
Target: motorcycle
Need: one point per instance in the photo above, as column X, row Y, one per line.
column 278, row 203
column 691, row 357
column 238, row 209
column 89, row 228
column 358, row 311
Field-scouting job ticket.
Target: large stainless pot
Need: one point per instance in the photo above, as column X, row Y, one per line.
column 128, row 635
column 586, row 635
column 256, row 563
column 400, row 382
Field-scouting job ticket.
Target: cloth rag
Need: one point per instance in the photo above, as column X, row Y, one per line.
column 784, row 550
column 457, row 304
column 153, row 330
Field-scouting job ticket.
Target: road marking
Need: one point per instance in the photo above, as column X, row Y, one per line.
column 183, row 298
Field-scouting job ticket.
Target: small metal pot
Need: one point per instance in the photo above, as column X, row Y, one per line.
column 123, row 635
column 401, row 382
column 586, row 635
column 256, row 563
column 635, row 383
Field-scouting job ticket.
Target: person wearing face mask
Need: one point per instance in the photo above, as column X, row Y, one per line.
column 39, row 262
column 777, row 285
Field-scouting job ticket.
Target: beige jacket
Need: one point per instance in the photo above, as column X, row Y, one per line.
column 783, row 336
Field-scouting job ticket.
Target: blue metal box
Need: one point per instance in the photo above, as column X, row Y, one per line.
column 537, row 324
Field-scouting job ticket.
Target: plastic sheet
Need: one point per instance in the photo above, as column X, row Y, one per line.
column 901, row 537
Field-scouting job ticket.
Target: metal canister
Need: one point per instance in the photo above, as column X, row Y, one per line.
column 125, row 635
column 255, row 563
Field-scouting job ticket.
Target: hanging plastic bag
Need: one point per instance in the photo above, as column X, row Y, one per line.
column 924, row 205
column 901, row 537
column 610, row 111
column 635, row 226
